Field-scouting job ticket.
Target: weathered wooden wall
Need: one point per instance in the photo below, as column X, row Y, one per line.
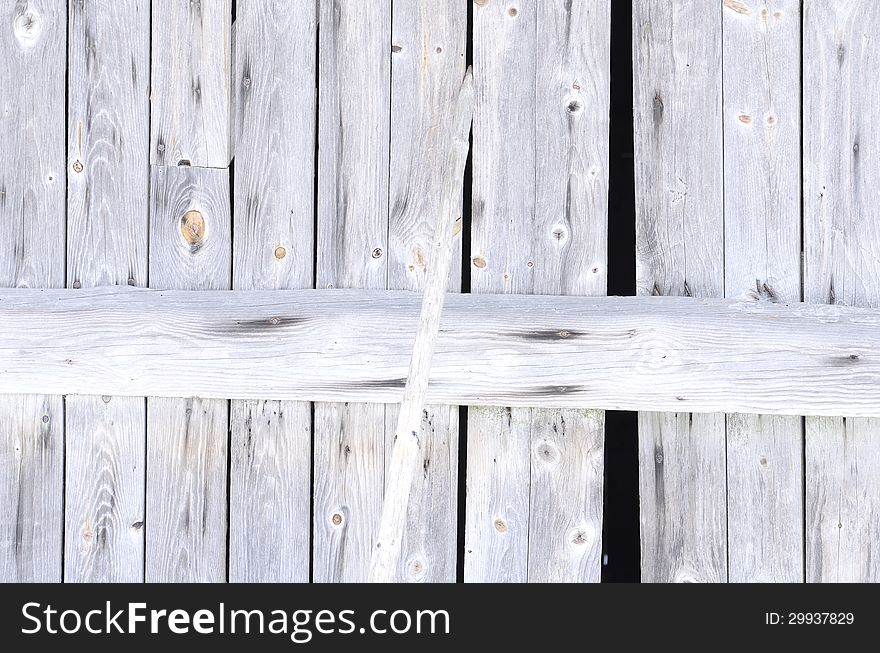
column 302, row 147
column 751, row 497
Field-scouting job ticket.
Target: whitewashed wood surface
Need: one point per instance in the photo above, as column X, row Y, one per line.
column 762, row 258
column 190, row 247
column 352, row 242
column 33, row 43
column 274, row 94
column 428, row 43
column 534, row 509
column 190, row 92
column 842, row 267
column 622, row 353
column 107, row 222
column 678, row 153
column 408, row 447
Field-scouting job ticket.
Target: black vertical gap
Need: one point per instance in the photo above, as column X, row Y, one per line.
column 228, row 481
column 317, row 89
column 467, row 198
column 149, row 72
column 233, row 74
column 64, row 273
column 803, row 294
column 620, row 524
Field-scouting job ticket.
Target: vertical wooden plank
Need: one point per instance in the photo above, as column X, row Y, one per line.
column 32, row 235
column 191, row 54
column 503, row 223
column 540, row 211
column 274, row 238
column 352, row 243
column 190, row 225
column 108, row 185
column 762, row 236
column 842, row 266
column 427, row 65
column 680, row 251
column 570, row 243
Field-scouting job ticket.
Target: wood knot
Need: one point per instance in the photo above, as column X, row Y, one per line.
column 481, row 3
column 416, row 568
column 336, row 519
column 763, row 461
column 574, row 107
column 376, row 253
column 744, row 118
column 192, row 228
column 280, row 252
column 500, row 525
column 77, row 166
column 513, row 12
column 739, row 7
column 559, row 233
column 479, row 262
column 27, row 28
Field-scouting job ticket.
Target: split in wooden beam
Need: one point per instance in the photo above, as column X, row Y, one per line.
column 623, row 353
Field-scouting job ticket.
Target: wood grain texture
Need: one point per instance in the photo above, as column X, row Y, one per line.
column 352, row 243
column 427, row 65
column 191, row 95
column 107, row 198
column 539, row 225
column 186, row 490
column 31, row 488
column 408, row 447
column 680, row 251
column 32, row 233
column 104, row 507
column 190, row 247
column 274, row 130
column 841, row 266
column 618, row 353
column 190, row 228
column 570, row 243
column 762, row 236
column 503, row 227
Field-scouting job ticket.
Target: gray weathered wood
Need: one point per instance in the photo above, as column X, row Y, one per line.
column 427, row 64
column 680, row 251
column 540, row 213
column 108, row 177
column 352, row 243
column 32, row 233
column 190, row 225
column 191, row 55
column 618, row 353
column 842, row 266
column 408, row 448
column 274, row 239
column 762, row 237
column 104, row 507
column 503, row 215
column 570, row 243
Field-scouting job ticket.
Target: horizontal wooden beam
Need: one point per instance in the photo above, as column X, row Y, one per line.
column 627, row 353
